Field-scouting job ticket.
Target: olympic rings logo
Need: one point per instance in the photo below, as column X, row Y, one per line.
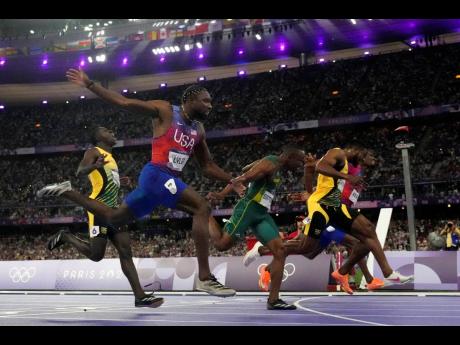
column 289, row 270
column 22, row 274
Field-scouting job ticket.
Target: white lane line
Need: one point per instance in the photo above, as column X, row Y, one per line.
column 152, row 321
column 297, row 304
column 159, row 312
column 389, row 309
column 410, row 316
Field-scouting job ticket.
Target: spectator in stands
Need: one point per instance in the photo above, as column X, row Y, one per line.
column 452, row 233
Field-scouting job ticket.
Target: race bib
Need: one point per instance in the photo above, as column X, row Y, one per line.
column 94, row 231
column 266, row 200
column 177, row 160
column 116, row 177
column 354, row 196
column 340, row 184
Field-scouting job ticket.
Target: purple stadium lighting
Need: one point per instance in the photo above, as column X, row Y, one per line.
column 125, row 61
column 202, row 78
column 201, row 56
column 240, row 52
column 282, row 66
column 45, row 62
column 2, row 106
column 82, row 97
column 366, row 53
column 162, row 59
column 45, row 102
column 241, row 73
column 2, row 62
column 163, row 84
column 321, row 60
column 282, row 47
column 82, row 63
column 413, row 42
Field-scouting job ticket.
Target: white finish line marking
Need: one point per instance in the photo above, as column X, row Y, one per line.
column 297, row 304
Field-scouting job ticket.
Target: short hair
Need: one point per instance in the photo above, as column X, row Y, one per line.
column 355, row 145
column 93, row 131
column 192, row 91
column 289, row 150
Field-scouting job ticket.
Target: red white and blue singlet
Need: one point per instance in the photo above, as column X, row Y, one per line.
column 350, row 193
column 172, row 150
column 159, row 182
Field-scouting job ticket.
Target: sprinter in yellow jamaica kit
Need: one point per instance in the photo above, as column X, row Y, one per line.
column 102, row 170
column 326, row 208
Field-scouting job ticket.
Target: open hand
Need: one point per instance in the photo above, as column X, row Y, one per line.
column 78, row 77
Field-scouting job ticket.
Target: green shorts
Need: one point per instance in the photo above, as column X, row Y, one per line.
column 250, row 214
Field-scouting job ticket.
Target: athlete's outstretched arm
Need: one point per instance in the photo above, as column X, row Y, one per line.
column 220, row 195
column 152, row 108
column 208, row 166
column 92, row 160
column 249, row 166
column 263, row 168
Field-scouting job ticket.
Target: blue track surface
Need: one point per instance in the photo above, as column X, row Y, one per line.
column 241, row 310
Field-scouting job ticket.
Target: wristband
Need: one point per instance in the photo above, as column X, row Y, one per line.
column 90, row 84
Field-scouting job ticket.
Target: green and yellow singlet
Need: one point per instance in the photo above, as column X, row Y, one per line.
column 105, row 181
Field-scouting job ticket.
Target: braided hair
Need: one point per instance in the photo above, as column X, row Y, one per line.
column 191, row 92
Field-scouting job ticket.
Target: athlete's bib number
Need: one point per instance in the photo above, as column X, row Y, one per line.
column 354, row 196
column 177, row 160
column 94, row 231
column 116, row 177
column 267, row 199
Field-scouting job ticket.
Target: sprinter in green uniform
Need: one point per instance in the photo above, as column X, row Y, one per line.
column 252, row 209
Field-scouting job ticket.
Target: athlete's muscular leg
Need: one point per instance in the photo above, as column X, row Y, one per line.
column 358, row 252
column 276, row 246
column 122, row 243
column 364, row 230
column 221, row 240
column 191, row 201
column 93, row 250
column 116, row 217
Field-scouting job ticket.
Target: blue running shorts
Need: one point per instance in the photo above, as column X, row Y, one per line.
column 331, row 234
column 155, row 187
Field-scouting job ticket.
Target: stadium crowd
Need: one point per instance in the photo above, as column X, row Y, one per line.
column 178, row 242
column 372, row 84
column 419, row 78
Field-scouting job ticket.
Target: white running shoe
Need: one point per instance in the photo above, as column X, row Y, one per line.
column 213, row 287
column 252, row 254
column 397, row 278
column 54, row 189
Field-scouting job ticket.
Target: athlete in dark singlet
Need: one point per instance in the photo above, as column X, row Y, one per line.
column 177, row 134
column 102, row 170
